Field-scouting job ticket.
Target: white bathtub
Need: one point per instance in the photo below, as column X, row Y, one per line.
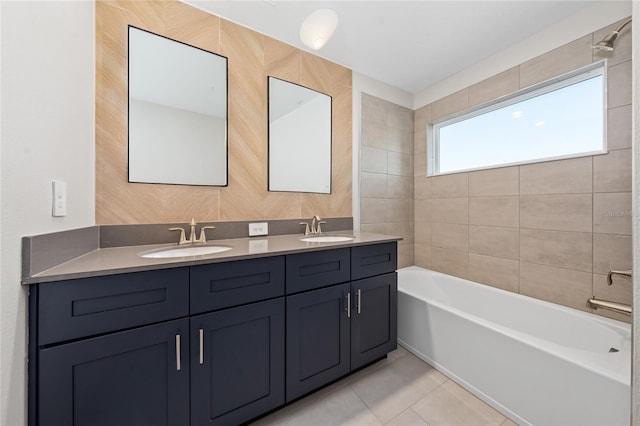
column 536, row 362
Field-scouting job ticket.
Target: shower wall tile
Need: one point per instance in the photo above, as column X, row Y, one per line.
column 376, row 228
column 559, row 61
column 568, row 212
column 619, row 127
column 612, row 213
column 421, row 187
column 493, row 182
column 373, row 210
column 494, row 211
column 494, row 271
column 450, row 262
column 422, row 210
column 450, row 186
column 495, row 242
column 402, row 229
column 373, row 185
column 611, row 252
column 374, row 160
column 423, row 233
column 451, row 104
column 400, row 164
column 420, row 142
column 570, row 250
column 405, row 256
column 558, row 285
column 450, row 210
column 422, row 255
column 399, row 140
column 572, row 176
column 420, row 166
column 373, row 134
column 400, row 117
column 374, row 109
column 400, row 210
column 399, row 186
column 495, row 87
column 619, row 82
column 612, row 171
column 450, row 236
column 421, row 117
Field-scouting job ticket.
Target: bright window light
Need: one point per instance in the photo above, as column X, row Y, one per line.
column 561, row 118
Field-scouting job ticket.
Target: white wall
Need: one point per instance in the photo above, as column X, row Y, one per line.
column 46, row 132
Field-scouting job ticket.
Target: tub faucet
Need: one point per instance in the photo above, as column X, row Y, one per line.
column 626, row 273
column 611, row 306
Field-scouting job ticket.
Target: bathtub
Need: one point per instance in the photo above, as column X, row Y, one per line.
column 536, row 362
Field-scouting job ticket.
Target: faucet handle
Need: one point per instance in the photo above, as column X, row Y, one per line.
column 183, row 238
column 318, row 229
column 306, row 228
column 203, row 236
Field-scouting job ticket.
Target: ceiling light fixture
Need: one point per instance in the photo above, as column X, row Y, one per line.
column 606, row 43
column 318, row 27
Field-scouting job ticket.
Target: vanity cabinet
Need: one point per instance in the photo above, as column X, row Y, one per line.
column 219, row 343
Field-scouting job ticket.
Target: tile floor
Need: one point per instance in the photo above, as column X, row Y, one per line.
column 401, row 390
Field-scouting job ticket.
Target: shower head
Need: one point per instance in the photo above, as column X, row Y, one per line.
column 606, row 44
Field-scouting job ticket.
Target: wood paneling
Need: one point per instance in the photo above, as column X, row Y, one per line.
column 252, row 57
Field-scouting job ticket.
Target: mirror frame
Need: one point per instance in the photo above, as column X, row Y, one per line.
column 226, row 124
column 269, row 156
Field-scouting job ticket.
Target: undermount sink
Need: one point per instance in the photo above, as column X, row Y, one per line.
column 183, row 251
column 326, row 238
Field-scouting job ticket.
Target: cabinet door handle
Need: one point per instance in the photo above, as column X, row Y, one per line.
column 348, row 309
column 359, row 300
column 177, row 352
column 201, row 346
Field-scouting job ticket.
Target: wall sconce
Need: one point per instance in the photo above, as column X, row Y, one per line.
column 318, row 27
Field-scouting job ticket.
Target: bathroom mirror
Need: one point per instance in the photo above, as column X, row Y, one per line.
column 177, row 112
column 299, row 138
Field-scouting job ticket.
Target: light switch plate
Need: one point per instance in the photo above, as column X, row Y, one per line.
column 58, row 198
column 260, row 228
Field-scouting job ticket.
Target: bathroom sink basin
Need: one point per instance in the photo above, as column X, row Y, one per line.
column 183, row 251
column 326, row 238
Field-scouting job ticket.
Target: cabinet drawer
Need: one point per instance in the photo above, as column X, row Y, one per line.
column 222, row 285
column 368, row 261
column 89, row 306
column 306, row 271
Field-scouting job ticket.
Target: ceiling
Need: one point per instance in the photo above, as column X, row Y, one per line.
column 410, row 45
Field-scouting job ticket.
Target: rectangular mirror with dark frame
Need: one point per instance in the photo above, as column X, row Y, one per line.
column 299, row 138
column 177, row 112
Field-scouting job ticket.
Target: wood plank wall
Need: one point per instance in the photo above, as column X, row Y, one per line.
column 252, row 57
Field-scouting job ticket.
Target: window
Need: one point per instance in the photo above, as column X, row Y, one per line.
column 560, row 118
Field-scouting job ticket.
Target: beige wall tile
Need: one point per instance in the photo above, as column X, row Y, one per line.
column 374, row 160
column 563, row 286
column 399, row 186
column 401, row 229
column 450, row 210
column 422, row 210
column 373, row 210
column 373, row 185
column 451, row 104
column 502, row 181
column 572, row 176
column 450, row 236
column 495, row 87
column 421, row 117
column 612, row 171
column 494, row 211
column 493, row 271
column 400, row 117
column 622, row 52
column 422, row 255
column 405, row 255
column 374, row 109
column 494, row 241
column 568, row 212
column 400, row 140
column 450, row 262
column 570, row 250
column 420, row 143
column 612, row 213
column 400, row 164
column 566, row 58
column 619, row 85
column 450, row 186
column 376, row 228
column 611, row 252
column 423, row 233
column 373, row 134
column 420, row 165
column 421, row 187
column 400, row 210
column 619, row 127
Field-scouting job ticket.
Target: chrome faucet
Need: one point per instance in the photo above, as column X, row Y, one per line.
column 192, row 236
column 626, row 273
column 314, row 228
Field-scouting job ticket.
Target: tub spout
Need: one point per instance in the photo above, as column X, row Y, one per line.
column 612, row 306
column 626, row 273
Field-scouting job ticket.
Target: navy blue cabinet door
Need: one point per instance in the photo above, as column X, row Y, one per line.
column 317, row 339
column 136, row 377
column 237, row 363
column 374, row 318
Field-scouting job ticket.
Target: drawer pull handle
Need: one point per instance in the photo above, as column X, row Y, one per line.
column 201, row 346
column 348, row 309
column 359, row 301
column 177, row 352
